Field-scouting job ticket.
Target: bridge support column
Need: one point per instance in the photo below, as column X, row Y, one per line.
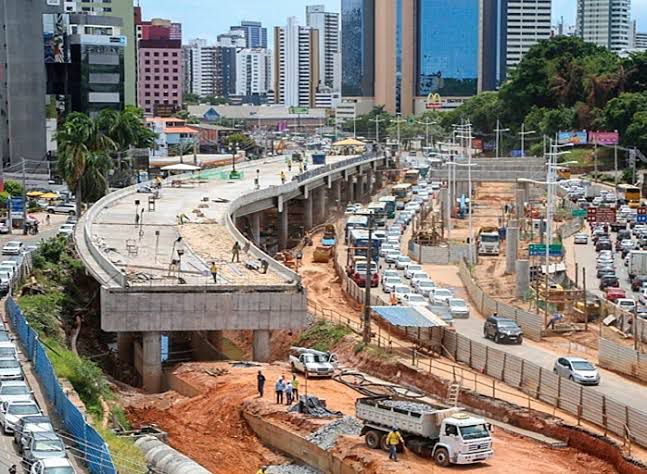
column 215, row 338
column 522, row 268
column 125, row 348
column 336, row 191
column 307, row 212
column 511, row 246
column 283, row 227
column 152, row 361
column 261, row 345
column 378, row 180
column 358, row 189
column 350, row 190
column 519, row 203
column 255, row 221
column 369, row 181
column 322, row 205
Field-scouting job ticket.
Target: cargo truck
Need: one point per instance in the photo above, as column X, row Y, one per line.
column 488, row 241
column 637, row 263
column 448, row 435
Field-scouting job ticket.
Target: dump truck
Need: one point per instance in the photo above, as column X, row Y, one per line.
column 448, row 435
column 329, row 238
column 637, row 263
column 322, row 254
column 488, row 240
column 312, row 363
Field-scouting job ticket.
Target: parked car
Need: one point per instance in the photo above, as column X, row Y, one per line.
column 458, row 308
column 12, row 412
column 10, row 369
column 502, row 330
column 13, row 247
column 14, row 390
column 65, row 230
column 62, row 208
column 578, row 370
column 52, row 466
column 27, row 426
column 43, row 446
column 581, row 239
column 613, row 294
column 4, row 228
column 440, row 295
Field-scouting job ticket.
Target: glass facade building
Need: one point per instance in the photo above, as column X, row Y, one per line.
column 358, row 47
column 447, row 60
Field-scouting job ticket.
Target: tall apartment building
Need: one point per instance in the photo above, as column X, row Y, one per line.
column 159, row 66
column 255, row 34
column 605, row 23
column 211, row 70
column 528, row 22
column 327, row 26
column 253, row 72
column 124, row 10
column 358, row 48
column 296, row 64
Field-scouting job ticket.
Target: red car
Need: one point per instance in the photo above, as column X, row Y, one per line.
column 360, row 279
column 614, row 294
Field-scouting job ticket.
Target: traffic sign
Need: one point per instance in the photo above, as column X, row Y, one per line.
column 641, row 217
column 555, row 250
column 601, row 214
column 579, row 213
column 537, row 250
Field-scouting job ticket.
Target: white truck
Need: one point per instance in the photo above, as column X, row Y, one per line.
column 312, row 363
column 488, row 241
column 637, row 263
column 448, row 435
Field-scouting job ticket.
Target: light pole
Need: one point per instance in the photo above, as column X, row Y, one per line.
column 398, row 120
column 366, row 333
column 470, row 229
column 426, row 123
column 498, row 131
column 523, row 134
column 377, row 121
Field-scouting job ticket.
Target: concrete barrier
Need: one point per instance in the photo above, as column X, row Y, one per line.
column 438, row 255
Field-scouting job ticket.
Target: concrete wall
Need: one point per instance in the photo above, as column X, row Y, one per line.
column 451, row 253
column 501, row 170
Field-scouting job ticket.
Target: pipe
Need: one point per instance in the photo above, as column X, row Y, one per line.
column 165, row 459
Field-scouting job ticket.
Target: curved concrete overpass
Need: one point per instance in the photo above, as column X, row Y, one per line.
column 152, row 260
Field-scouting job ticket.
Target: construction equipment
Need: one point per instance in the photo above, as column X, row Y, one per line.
column 322, row 254
column 448, row 435
column 329, row 238
column 488, row 240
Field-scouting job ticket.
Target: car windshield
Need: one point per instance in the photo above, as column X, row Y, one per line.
column 59, row 470
column 458, row 303
column 442, row 293
column 416, row 298
column 30, row 409
column 41, row 427
column 474, row 431
column 9, row 363
column 14, row 390
column 402, row 289
column 489, row 238
column 7, row 351
column 49, row 445
column 4, row 336
column 426, row 284
column 582, row 365
column 392, row 280
column 508, row 324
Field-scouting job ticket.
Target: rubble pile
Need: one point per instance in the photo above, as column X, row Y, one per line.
column 312, row 406
column 291, row 469
column 326, row 436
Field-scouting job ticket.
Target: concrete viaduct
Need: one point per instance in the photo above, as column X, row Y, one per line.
column 152, row 257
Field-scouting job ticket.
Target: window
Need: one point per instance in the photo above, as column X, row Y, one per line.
column 156, row 62
column 147, row 53
column 165, row 69
column 147, row 69
column 148, row 78
column 147, row 102
column 165, row 54
column 175, row 69
column 147, row 62
column 451, row 430
column 165, row 62
column 174, row 55
column 156, row 54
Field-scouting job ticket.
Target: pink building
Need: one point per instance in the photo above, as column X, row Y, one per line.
column 159, row 67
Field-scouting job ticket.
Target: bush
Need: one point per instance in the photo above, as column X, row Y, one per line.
column 49, row 251
column 42, row 312
column 323, row 335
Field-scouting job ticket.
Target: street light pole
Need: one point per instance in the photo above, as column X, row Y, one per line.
column 498, row 135
column 523, row 134
column 398, row 120
column 377, row 121
column 426, row 123
column 366, row 333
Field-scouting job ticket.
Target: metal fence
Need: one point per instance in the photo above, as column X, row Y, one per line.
column 622, row 358
column 90, row 444
column 531, row 323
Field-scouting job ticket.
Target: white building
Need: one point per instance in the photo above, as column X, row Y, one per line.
column 296, row 59
column 605, row 23
column 253, row 71
column 327, row 26
column 637, row 40
column 528, row 22
column 200, row 65
column 235, row 39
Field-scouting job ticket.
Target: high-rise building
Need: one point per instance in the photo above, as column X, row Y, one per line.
column 233, row 39
column 358, row 48
column 255, row 34
column 327, row 26
column 605, row 23
column 211, row 70
column 527, row 23
column 159, row 66
column 253, row 72
column 124, row 10
column 296, row 64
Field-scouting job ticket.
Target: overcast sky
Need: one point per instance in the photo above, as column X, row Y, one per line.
column 208, row 18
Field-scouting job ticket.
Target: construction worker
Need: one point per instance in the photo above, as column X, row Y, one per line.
column 392, row 299
column 393, row 439
column 260, row 382
column 295, row 387
column 279, row 388
column 262, row 470
column 289, row 392
column 282, row 177
column 235, row 252
column 47, row 219
column 214, row 271
column 290, row 165
column 554, row 319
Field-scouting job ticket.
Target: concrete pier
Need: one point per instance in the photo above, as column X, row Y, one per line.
column 255, row 221
column 125, row 348
column 511, row 247
column 261, row 345
column 283, row 227
column 522, row 270
column 307, row 212
column 152, row 361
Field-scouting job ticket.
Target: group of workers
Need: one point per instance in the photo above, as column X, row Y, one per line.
column 287, row 390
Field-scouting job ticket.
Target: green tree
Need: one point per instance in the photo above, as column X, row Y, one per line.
column 548, row 122
column 184, row 148
column 242, row 141
column 125, row 128
column 13, row 188
column 482, row 111
column 636, row 134
column 191, row 99
column 365, row 124
column 619, row 112
column 216, row 100
column 80, row 142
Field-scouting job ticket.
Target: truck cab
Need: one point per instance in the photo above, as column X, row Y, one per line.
column 488, row 241
column 312, row 363
column 464, row 439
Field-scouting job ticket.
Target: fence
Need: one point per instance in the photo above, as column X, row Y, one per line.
column 622, row 358
column 441, row 255
column 531, row 323
column 90, row 444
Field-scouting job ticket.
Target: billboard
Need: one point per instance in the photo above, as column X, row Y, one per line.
column 604, row 138
column 434, row 101
column 577, row 137
column 298, row 110
column 477, row 144
column 55, row 38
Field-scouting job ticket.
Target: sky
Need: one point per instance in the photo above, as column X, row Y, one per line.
column 209, row 18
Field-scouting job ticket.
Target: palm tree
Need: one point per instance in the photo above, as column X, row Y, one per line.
column 183, row 148
column 81, row 142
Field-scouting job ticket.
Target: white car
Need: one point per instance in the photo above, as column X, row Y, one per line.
column 65, row 230
column 401, row 262
column 440, row 295
column 389, row 283
column 52, row 466
column 458, row 308
column 412, row 267
column 414, row 299
column 581, row 239
column 626, row 304
column 386, row 247
column 394, row 241
column 10, row 270
column 15, row 390
column 8, row 349
column 417, row 276
column 424, row 287
column 400, row 290
column 13, row 247
column 578, row 370
column 12, row 263
column 11, row 412
column 10, row 369
column 391, row 256
column 643, row 296
column 390, row 273
column 62, row 208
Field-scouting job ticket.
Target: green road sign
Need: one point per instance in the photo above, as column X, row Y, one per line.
column 299, row 110
column 554, row 250
column 579, row 212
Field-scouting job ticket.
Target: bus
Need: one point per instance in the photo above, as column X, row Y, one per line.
column 563, row 172
column 411, row 176
column 355, row 222
column 629, row 194
column 359, row 242
column 378, row 209
column 390, row 205
column 402, row 193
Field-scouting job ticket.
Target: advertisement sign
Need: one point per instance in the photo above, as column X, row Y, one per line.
column 55, row 37
column 604, row 138
column 298, row 110
column 577, row 137
column 434, row 101
column 477, row 144
column 17, row 204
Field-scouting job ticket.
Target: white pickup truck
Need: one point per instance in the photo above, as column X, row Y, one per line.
column 312, row 363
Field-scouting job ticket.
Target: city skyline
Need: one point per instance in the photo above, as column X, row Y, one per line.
column 212, row 22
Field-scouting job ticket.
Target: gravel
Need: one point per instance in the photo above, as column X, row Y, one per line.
column 326, row 436
column 411, row 406
column 291, row 469
column 312, row 406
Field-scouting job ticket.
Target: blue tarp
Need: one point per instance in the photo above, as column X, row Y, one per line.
column 406, row 316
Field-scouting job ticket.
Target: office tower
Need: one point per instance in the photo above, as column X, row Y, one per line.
column 124, row 10
column 253, row 72
column 527, row 23
column 358, row 47
column 327, row 26
column 233, row 39
column 605, row 23
column 255, row 34
column 159, row 66
column 296, row 64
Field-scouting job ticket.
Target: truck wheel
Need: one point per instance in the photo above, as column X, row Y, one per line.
column 441, row 457
column 372, row 439
column 383, row 444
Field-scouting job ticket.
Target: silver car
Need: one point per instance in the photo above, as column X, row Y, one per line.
column 43, row 446
column 578, row 370
column 13, row 390
column 458, row 308
column 10, row 369
column 581, row 239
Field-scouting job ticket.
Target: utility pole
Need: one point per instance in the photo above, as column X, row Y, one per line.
column 615, row 164
column 523, row 134
column 377, row 121
column 595, row 156
column 24, row 199
column 398, row 120
column 469, row 193
column 498, row 131
column 366, row 334
column 426, row 123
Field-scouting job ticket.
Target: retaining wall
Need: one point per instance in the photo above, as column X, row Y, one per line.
column 438, row 255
